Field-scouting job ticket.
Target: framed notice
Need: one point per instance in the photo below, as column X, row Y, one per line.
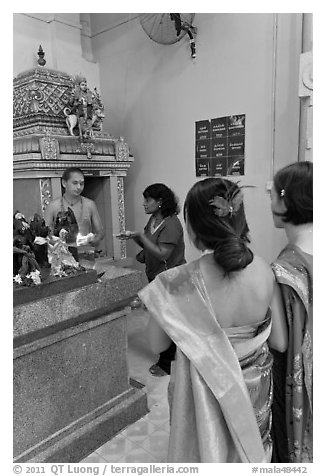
column 203, row 149
column 220, row 146
column 203, row 130
column 203, row 168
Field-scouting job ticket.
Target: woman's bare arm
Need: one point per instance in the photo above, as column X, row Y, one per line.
column 278, row 338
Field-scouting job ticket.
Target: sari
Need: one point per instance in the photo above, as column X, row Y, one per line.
column 292, row 370
column 221, row 379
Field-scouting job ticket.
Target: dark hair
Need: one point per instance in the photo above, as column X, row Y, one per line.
column 293, row 184
column 226, row 235
column 169, row 202
column 70, row 170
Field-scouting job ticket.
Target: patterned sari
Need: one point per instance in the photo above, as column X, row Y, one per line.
column 292, row 370
column 221, row 379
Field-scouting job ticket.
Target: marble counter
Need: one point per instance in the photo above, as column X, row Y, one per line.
column 115, row 288
column 72, row 390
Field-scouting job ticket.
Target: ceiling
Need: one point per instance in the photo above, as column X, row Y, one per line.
column 101, row 22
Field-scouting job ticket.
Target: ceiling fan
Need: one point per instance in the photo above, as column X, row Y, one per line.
column 169, row 28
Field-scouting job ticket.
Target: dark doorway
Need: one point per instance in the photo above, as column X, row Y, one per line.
column 97, row 189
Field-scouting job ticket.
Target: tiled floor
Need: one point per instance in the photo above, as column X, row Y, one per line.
column 145, row 441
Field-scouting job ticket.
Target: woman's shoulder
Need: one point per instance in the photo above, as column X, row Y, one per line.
column 259, row 273
column 176, row 275
column 291, row 264
column 260, row 263
column 292, row 253
column 173, row 221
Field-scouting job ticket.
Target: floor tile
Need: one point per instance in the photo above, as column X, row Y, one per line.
column 159, row 414
column 139, row 430
column 93, row 458
column 139, row 455
column 116, row 449
column 157, row 444
column 157, row 391
column 166, row 426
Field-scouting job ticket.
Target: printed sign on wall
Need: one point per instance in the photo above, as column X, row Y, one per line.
column 220, row 146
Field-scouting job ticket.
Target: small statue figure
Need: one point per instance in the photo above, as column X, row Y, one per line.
column 71, row 120
column 22, row 240
column 121, row 149
column 26, row 270
column 85, row 110
column 40, row 244
column 66, row 220
column 59, row 255
column 98, row 114
column 22, row 228
column 34, row 247
column 23, row 257
column 32, row 238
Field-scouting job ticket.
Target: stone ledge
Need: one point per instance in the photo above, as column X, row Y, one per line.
column 52, row 286
column 116, row 285
column 50, row 335
column 72, row 445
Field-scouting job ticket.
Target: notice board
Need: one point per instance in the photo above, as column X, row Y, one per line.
column 220, row 146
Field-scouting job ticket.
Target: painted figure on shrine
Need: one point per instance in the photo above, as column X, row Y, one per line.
column 85, row 110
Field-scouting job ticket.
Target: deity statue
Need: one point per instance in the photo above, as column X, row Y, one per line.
column 26, row 269
column 121, row 149
column 85, row 110
column 62, row 261
column 98, row 114
column 41, row 233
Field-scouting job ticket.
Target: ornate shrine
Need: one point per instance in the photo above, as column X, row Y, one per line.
column 72, row 391
column 44, row 146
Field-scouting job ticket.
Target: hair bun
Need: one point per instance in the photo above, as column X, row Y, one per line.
column 232, row 253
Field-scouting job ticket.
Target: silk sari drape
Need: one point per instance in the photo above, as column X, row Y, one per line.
column 293, row 407
column 221, row 380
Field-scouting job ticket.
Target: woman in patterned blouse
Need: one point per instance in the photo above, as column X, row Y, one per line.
column 292, row 209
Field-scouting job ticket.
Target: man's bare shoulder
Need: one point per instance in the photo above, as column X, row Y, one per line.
column 54, row 204
column 90, row 204
column 88, row 200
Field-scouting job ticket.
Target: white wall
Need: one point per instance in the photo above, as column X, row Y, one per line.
column 154, row 94
column 59, row 35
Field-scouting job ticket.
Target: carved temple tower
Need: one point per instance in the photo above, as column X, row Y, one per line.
column 43, row 148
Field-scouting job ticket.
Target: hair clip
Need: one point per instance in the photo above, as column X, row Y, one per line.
column 282, row 192
column 224, row 207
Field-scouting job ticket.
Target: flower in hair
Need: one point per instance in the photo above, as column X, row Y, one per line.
column 224, row 207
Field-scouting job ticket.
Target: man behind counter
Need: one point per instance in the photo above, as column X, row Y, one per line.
column 84, row 209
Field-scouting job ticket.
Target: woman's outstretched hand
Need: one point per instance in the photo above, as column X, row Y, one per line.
column 126, row 235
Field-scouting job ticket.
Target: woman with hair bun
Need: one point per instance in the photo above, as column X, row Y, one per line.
column 291, row 336
column 216, row 310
